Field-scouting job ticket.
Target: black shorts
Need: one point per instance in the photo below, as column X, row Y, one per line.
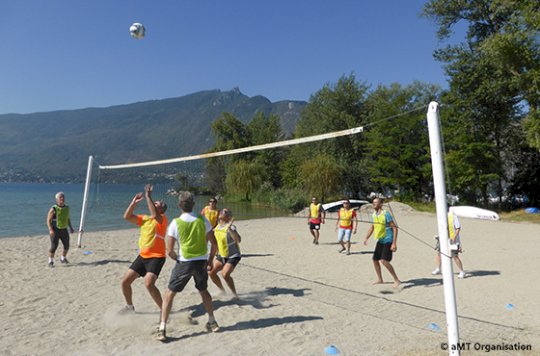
column 233, row 260
column 144, row 265
column 382, row 252
column 313, row 226
column 59, row 235
column 183, row 271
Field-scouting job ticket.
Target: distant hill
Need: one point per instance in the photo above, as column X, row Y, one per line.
column 54, row 146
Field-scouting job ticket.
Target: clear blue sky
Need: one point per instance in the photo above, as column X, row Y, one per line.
column 70, row 54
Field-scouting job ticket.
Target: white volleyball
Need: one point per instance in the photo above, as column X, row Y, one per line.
column 137, row 30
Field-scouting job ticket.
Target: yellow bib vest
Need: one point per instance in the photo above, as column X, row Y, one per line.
column 451, row 230
column 211, row 215
column 220, row 232
column 379, row 225
column 314, row 210
column 345, row 217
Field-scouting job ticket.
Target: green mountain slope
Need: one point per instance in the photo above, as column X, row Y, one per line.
column 54, row 146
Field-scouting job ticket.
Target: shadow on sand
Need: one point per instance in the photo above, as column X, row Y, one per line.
column 252, row 324
column 98, row 263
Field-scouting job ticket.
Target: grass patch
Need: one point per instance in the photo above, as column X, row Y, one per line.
column 520, row 216
column 423, row 207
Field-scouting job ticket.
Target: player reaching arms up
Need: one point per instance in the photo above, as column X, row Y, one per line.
column 151, row 258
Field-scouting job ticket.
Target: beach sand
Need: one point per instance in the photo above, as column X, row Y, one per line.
column 296, row 298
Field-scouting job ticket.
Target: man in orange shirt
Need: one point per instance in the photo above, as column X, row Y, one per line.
column 151, row 258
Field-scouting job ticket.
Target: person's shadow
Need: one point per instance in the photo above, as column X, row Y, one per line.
column 480, row 273
column 252, row 324
column 433, row 282
column 255, row 300
column 421, row 282
column 96, row 263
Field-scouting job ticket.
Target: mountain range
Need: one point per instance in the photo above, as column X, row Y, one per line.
column 54, row 146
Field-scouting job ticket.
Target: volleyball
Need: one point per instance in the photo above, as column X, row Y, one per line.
column 136, row 30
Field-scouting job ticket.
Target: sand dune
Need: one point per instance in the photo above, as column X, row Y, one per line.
column 296, row 298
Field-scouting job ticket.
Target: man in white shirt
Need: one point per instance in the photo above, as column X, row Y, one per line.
column 192, row 232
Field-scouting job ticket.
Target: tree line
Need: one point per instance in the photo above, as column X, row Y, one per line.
column 489, row 116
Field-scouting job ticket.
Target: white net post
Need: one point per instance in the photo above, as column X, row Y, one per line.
column 85, row 199
column 442, row 223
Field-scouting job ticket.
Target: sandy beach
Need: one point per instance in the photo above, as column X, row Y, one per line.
column 296, row 298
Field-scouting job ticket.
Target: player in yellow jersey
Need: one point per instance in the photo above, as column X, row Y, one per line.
column 385, row 231
column 346, row 224
column 151, row 258
column 228, row 241
column 211, row 211
column 454, row 229
column 317, row 215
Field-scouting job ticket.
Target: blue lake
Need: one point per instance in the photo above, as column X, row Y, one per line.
column 24, row 206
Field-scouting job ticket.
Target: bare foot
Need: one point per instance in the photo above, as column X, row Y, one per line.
column 235, row 297
column 396, row 284
column 378, row 282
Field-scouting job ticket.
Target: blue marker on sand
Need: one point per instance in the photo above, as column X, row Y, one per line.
column 331, row 350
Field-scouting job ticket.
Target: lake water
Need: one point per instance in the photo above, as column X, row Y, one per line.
column 24, row 206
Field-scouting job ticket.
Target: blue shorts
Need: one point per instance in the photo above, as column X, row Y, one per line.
column 344, row 234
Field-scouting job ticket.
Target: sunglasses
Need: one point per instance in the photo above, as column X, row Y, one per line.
column 212, row 201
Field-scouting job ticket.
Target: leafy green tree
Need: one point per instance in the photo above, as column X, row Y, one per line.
column 229, row 133
column 267, row 129
column 526, row 181
column 215, row 175
column 490, row 81
column 399, row 147
column 243, row 177
column 333, row 108
column 322, row 176
column 503, row 34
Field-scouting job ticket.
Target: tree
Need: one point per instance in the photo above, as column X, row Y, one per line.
column 267, row 129
column 333, row 108
column 503, row 34
column 229, row 133
column 243, row 177
column 487, row 86
column 398, row 149
column 526, row 181
column 322, row 176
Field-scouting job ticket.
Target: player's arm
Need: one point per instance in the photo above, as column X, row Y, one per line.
column 70, row 227
column 234, row 233
column 213, row 249
column 50, row 216
column 171, row 251
column 150, row 203
column 368, row 234
column 395, row 230
column 323, row 215
column 128, row 214
column 355, row 222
